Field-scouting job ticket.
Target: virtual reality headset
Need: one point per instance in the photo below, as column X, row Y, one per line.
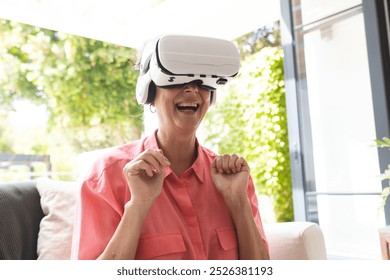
column 174, row 60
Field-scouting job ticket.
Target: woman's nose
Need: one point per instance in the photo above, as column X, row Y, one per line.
column 192, row 86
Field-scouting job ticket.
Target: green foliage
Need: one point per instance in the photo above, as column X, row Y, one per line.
column 250, row 120
column 86, row 85
column 253, row 42
column 94, row 83
column 385, row 143
column 16, row 57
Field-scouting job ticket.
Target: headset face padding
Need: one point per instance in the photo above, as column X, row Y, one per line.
column 151, row 94
column 173, row 60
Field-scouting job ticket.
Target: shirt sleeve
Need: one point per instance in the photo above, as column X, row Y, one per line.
column 255, row 210
column 97, row 217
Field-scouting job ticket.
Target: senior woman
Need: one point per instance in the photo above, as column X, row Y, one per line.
column 166, row 196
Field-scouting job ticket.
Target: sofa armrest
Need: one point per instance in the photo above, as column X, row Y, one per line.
column 295, row 241
column 20, row 216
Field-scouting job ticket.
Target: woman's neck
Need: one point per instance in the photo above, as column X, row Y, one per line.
column 180, row 150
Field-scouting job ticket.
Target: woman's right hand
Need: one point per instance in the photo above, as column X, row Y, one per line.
column 145, row 176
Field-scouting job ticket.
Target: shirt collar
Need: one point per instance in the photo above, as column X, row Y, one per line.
column 151, row 141
column 198, row 166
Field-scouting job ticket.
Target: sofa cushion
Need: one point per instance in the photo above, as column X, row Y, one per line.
column 58, row 201
column 20, row 216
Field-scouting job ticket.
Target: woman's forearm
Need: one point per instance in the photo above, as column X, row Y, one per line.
column 251, row 245
column 124, row 242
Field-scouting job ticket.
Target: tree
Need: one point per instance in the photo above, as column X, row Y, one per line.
column 253, row 42
column 250, row 119
column 87, row 85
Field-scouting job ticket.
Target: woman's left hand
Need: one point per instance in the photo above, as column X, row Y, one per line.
column 230, row 175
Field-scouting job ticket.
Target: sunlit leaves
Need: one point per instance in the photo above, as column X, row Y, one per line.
column 84, row 83
column 385, row 143
column 250, row 119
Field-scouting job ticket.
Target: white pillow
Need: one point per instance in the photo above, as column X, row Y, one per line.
column 58, row 201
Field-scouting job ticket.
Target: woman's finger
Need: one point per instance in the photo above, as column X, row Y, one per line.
column 218, row 164
column 232, row 163
column 238, row 163
column 139, row 167
column 225, row 164
column 155, row 158
column 229, row 164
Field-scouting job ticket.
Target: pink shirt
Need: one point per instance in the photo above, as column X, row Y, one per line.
column 189, row 219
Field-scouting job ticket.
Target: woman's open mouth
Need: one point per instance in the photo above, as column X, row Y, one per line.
column 187, row 106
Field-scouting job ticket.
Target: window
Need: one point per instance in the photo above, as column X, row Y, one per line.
column 337, row 177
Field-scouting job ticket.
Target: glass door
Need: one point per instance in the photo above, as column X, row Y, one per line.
column 337, row 127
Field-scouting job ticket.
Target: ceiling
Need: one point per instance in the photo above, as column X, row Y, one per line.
column 132, row 22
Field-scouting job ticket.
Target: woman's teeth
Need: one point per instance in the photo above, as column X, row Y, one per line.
column 187, row 106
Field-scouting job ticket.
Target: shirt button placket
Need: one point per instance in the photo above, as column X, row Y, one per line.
column 192, row 222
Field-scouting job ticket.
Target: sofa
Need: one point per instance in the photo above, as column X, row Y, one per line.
column 36, row 222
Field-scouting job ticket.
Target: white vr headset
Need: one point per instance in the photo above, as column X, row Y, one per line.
column 173, row 60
